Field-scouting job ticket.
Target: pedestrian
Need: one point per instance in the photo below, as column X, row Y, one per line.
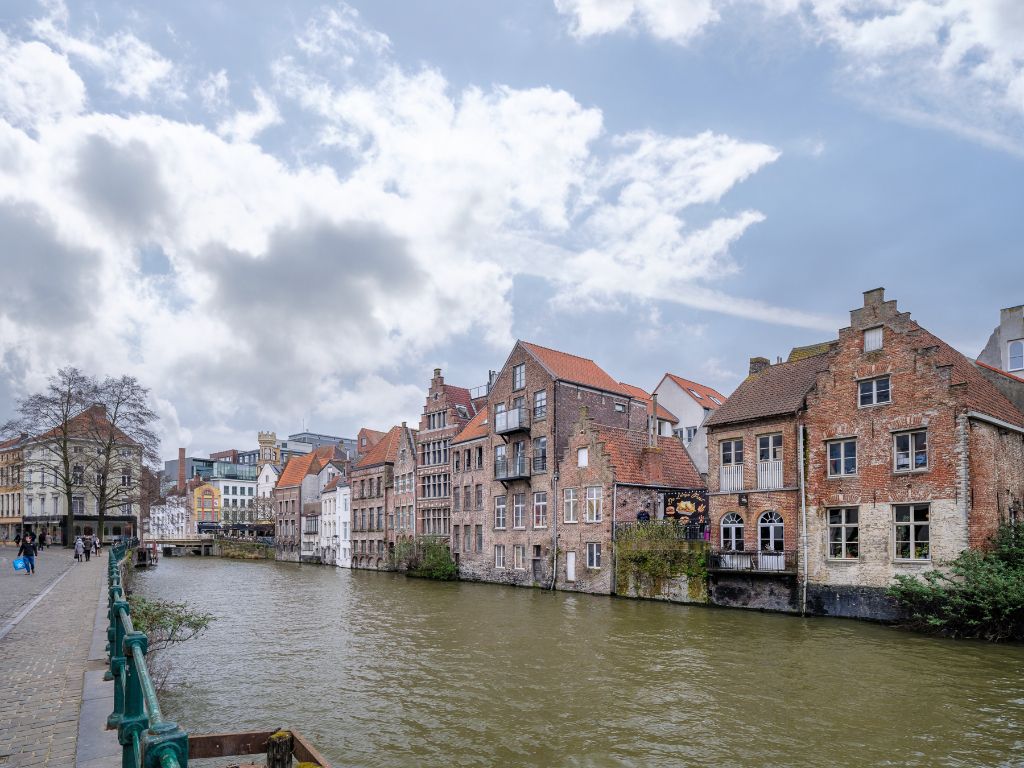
column 17, row 539
column 28, row 551
column 87, row 549
column 43, row 541
column 79, row 549
column 95, row 544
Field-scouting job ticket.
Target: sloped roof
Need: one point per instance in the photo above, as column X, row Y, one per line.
column 372, row 438
column 810, row 350
column 668, row 465
column 332, row 485
column 982, row 395
column 574, row 369
column 640, row 394
column 700, row 393
column 91, row 422
column 986, row 366
column 12, row 443
column 459, row 396
column 296, row 469
column 385, row 451
column 777, row 390
column 475, row 429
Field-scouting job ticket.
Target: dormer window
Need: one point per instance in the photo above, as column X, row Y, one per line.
column 715, row 399
column 696, row 394
column 873, row 339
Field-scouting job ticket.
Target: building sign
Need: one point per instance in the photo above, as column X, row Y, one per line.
column 689, row 507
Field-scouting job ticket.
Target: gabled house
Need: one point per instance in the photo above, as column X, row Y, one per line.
column 692, row 404
column 372, row 481
column 297, row 496
column 471, row 486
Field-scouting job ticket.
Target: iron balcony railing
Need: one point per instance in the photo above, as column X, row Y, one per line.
column 667, row 528
column 512, row 420
column 769, row 475
column 765, row 561
column 511, row 469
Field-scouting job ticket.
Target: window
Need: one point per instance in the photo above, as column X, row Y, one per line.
column 732, row 532
column 479, row 497
column 582, row 457
column 872, row 339
column 910, row 523
column 540, row 509
column 843, row 541
column 874, row 391
column 480, row 457
column 715, row 399
column 620, row 407
column 769, row 448
column 479, row 538
column 519, row 376
column 732, row 453
column 911, row 451
column 519, row 557
column 540, row 454
column 569, row 503
column 595, row 496
column 519, row 510
column 770, row 530
column 593, row 554
column 77, row 505
column 126, row 476
column 540, row 404
column 842, row 458
column 458, row 462
column 455, row 538
column 691, row 432
column 696, row 394
column 499, row 512
column 455, row 499
column 78, row 475
column 499, row 555
column 1015, row 355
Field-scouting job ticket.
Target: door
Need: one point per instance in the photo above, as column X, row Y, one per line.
column 570, row 566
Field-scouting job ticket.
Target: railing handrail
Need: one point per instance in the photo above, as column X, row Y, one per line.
column 147, row 740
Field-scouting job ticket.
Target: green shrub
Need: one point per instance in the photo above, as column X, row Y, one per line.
column 981, row 596
column 426, row 559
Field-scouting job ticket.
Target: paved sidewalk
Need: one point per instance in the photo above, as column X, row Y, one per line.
column 45, row 657
column 17, row 588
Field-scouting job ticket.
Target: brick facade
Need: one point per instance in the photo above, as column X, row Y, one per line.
column 371, row 486
column 472, row 541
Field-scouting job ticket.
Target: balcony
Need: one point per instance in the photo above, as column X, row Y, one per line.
column 540, row 464
column 730, row 478
column 516, row 420
column 769, row 475
column 758, row 562
column 511, row 469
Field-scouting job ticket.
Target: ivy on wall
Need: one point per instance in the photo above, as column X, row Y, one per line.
column 647, row 555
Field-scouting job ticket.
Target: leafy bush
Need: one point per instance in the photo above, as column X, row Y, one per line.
column 982, row 595
column 434, row 562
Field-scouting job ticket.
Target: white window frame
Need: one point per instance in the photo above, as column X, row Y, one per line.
column 499, row 555
column 519, row 557
column 844, row 528
column 842, row 443
column 594, row 555
column 733, row 522
column 500, row 503
column 1009, row 354
column 874, row 391
column 910, row 524
column 912, row 451
column 593, row 513
column 774, row 452
column 873, row 339
column 519, row 376
column 731, row 442
column 518, row 511
column 570, row 505
column 582, row 457
column 540, row 506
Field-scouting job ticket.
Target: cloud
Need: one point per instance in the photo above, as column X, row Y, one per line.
column 130, row 67
column 245, row 126
column 36, row 84
column 957, row 64
column 213, row 89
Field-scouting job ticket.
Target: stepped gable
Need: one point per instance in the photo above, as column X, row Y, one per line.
column 637, row 463
column 777, row 390
column 574, row 369
column 476, row 428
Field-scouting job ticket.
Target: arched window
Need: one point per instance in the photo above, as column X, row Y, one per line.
column 769, row 528
column 732, row 532
column 1016, row 355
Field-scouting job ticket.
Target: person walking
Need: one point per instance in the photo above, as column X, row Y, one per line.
column 95, row 544
column 79, row 549
column 87, row 549
column 28, row 551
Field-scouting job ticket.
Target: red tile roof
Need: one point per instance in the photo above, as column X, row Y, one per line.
column 1007, row 374
column 460, row 396
column 385, row 451
column 332, row 485
column 475, row 429
column 91, row 422
column 777, row 390
column 703, row 392
column 574, row 369
column 668, row 465
column 640, row 394
column 296, row 469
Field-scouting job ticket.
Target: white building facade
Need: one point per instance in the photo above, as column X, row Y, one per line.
column 692, row 404
column 170, row 520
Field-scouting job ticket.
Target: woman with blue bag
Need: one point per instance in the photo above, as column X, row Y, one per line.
column 27, row 550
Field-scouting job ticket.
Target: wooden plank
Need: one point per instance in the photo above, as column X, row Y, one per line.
column 227, row 744
column 303, row 750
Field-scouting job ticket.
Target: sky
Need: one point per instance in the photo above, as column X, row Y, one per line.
column 285, row 215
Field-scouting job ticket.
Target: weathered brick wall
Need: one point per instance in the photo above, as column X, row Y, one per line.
column 570, row 399
column 405, row 464
column 365, row 498
column 474, row 564
column 287, row 502
column 996, row 480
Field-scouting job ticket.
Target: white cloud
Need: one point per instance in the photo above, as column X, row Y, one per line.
column 213, row 90
column 36, row 84
column 957, row 63
column 245, row 126
column 129, row 66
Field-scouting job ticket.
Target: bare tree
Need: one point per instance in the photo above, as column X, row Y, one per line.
column 119, row 429
column 48, row 419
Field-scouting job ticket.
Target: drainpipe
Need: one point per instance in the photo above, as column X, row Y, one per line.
column 615, row 504
column 554, row 529
column 803, row 516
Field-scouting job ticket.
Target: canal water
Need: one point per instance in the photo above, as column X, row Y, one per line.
column 381, row 670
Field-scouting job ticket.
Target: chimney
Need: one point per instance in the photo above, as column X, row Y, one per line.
column 874, row 297
column 181, row 470
column 654, row 421
column 758, row 364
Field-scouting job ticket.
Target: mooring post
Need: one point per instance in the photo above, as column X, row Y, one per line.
column 279, row 750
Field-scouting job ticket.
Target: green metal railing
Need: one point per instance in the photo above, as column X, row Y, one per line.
column 147, row 740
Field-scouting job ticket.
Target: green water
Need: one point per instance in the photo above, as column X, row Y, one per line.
column 380, row 670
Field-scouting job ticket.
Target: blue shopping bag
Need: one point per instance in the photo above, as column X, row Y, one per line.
column 20, row 564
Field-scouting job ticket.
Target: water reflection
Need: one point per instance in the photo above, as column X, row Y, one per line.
column 380, row 670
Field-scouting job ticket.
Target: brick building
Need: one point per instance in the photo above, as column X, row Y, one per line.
column 447, row 410
column 471, row 481
column 296, row 494
column 912, row 455
column 10, row 488
column 401, row 522
column 533, row 403
column 372, row 482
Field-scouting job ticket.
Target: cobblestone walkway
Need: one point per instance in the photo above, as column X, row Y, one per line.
column 44, row 658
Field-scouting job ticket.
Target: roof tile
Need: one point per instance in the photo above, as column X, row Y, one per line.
column 574, row 369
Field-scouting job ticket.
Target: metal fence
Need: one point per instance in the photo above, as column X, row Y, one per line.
column 147, row 740
column 666, row 529
column 765, row 561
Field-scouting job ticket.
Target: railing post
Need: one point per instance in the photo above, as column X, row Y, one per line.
column 133, row 718
column 162, row 740
column 117, row 660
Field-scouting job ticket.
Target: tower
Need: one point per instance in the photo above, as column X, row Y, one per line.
column 269, row 451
